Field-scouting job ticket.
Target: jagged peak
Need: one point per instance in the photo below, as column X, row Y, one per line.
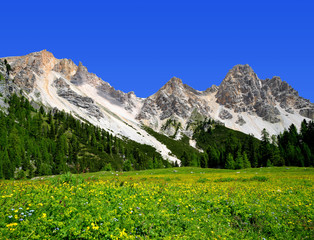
column 81, row 67
column 43, row 53
column 240, row 72
column 173, row 83
column 242, row 68
column 213, row 88
column 175, row 80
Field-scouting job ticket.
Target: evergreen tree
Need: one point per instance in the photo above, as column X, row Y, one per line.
column 230, row 163
column 15, row 148
column 246, row 162
column 239, row 161
column 7, row 167
column 1, row 165
column 265, row 148
column 127, row 165
column 275, row 157
column 185, row 160
column 203, row 161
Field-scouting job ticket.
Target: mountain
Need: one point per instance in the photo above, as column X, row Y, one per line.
column 242, row 101
column 59, row 83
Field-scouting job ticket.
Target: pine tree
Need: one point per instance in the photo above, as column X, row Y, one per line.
column 246, row 162
column 3, row 137
column 1, row 165
column 265, row 148
column 275, row 157
column 239, row 161
column 203, row 161
column 7, row 167
column 186, row 159
column 230, row 163
column 127, row 165
column 15, row 148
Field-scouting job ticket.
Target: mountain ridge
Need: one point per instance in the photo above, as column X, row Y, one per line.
column 242, row 101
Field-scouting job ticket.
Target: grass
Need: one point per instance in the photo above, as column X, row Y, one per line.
column 176, row 203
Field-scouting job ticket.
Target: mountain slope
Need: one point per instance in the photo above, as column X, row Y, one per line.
column 59, row 83
column 242, row 102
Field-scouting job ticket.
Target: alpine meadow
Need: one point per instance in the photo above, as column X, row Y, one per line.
column 157, row 120
column 65, row 178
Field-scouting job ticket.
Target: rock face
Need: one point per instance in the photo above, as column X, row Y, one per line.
column 242, row 101
column 224, row 114
column 26, row 69
column 174, row 100
column 240, row 120
column 66, row 67
column 86, row 103
column 243, row 91
column 270, row 102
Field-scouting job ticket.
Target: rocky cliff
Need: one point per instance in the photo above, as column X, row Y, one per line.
column 243, row 91
column 242, row 101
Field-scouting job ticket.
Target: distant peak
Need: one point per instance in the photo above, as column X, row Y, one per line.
column 81, row 67
column 175, row 80
column 239, row 72
column 243, row 68
column 172, row 84
column 44, row 52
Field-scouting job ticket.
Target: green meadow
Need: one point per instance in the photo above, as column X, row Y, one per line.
column 174, row 203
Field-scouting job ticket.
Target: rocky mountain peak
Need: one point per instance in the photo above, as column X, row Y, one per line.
column 239, row 88
column 83, row 76
column 66, row 67
column 241, row 74
column 172, row 84
column 81, row 68
column 241, row 68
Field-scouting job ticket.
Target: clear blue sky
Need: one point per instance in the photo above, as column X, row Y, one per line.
column 140, row 45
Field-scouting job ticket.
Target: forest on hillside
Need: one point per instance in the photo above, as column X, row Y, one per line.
column 39, row 142
column 35, row 143
column 226, row 148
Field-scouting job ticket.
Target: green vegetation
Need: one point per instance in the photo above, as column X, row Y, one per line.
column 36, row 143
column 180, row 148
column 226, row 148
column 178, row 203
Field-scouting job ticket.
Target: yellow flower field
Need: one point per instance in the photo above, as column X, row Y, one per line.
column 177, row 203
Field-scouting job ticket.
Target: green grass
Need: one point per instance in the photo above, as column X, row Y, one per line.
column 177, row 203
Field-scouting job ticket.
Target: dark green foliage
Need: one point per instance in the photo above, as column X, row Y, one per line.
column 297, row 149
column 246, row 162
column 39, row 143
column 221, row 144
column 188, row 155
column 226, row 148
column 230, row 163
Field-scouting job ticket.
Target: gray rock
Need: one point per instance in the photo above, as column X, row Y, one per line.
column 242, row 91
column 240, row 121
column 308, row 112
column 224, row 114
column 86, row 103
column 175, row 100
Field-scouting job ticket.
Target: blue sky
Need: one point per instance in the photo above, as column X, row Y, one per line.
column 139, row 45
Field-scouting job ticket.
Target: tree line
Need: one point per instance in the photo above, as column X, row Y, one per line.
column 226, row 148
column 38, row 142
